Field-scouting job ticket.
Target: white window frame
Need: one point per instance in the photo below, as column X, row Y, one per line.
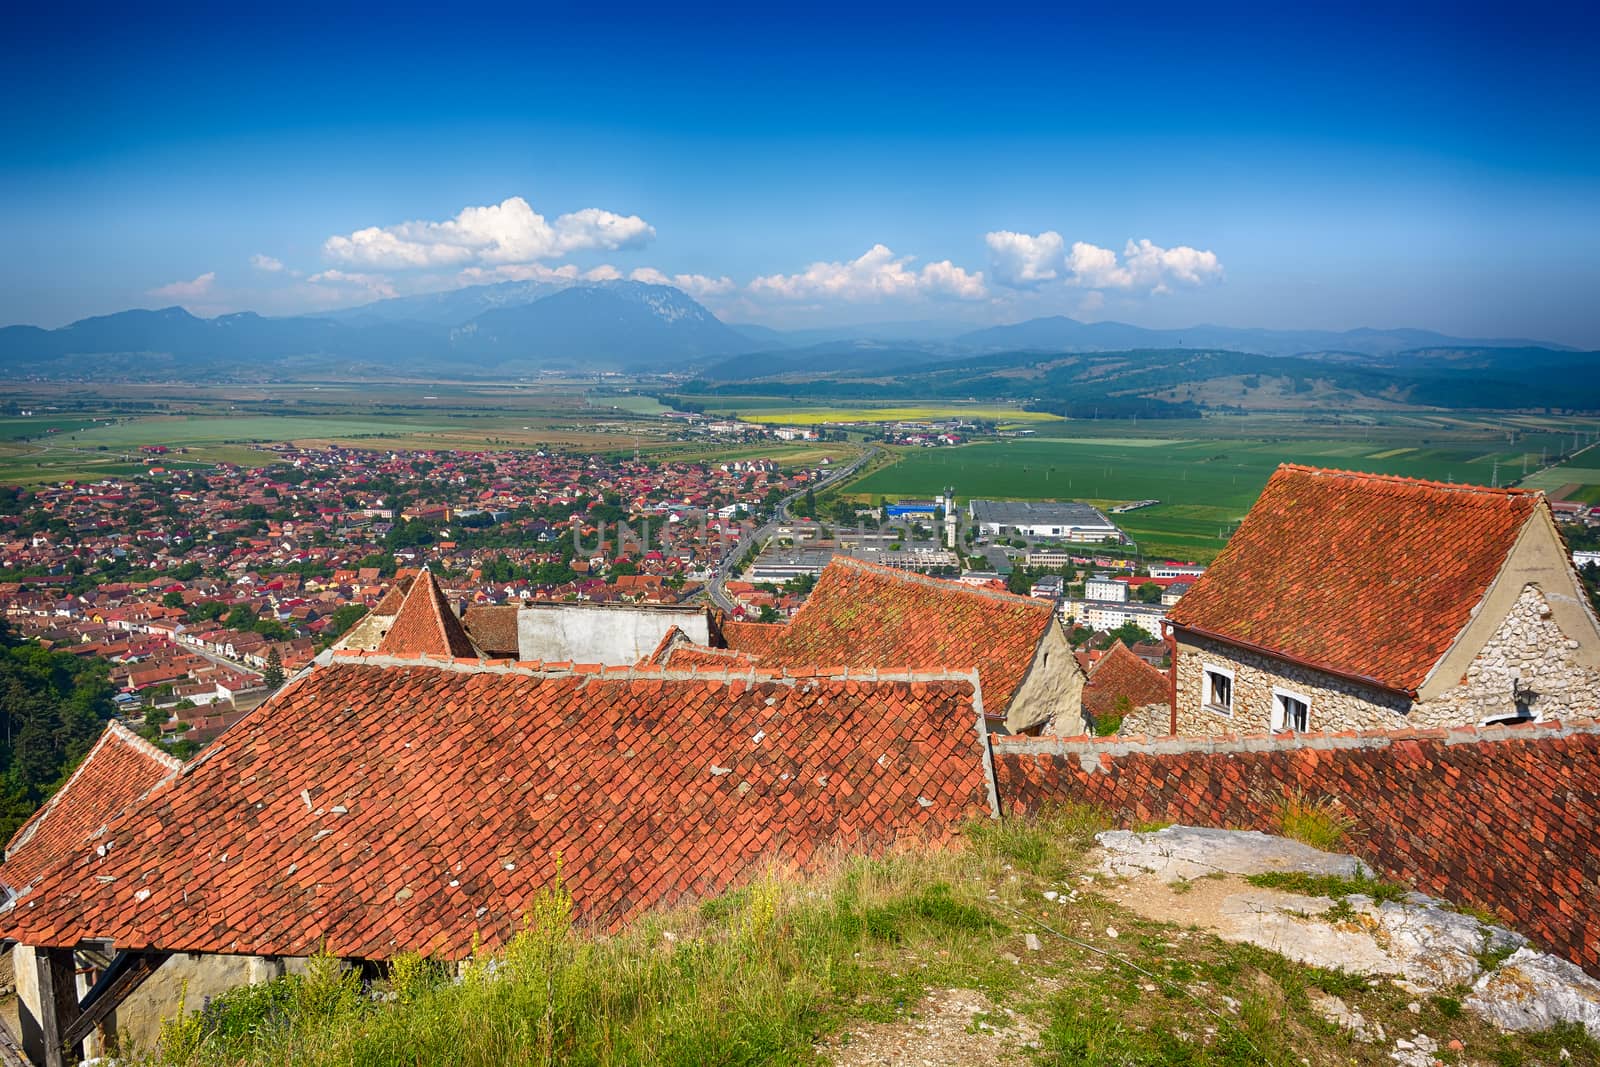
column 1206, row 671
column 1280, row 712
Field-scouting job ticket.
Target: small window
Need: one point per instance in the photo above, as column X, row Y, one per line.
column 1291, row 712
column 1217, row 690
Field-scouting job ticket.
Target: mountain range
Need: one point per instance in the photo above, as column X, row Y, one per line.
column 523, row 327
column 512, row 328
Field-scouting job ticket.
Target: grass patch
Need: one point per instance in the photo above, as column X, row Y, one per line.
column 1332, row 886
column 1320, row 822
column 1044, row 844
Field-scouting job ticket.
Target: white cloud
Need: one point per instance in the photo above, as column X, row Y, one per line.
column 605, row 272
column 696, row 285
column 374, row 285
column 944, row 278
column 1162, row 268
column 509, row 232
column 518, row 272
column 1094, row 267
column 875, row 275
column 190, row 290
column 1024, row 261
column 266, row 263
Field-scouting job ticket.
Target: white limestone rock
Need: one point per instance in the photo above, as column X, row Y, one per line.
column 1180, row 852
column 1535, row 990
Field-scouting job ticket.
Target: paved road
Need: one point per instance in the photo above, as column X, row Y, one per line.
column 780, row 514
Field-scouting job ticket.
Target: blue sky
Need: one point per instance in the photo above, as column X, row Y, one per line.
column 1336, row 169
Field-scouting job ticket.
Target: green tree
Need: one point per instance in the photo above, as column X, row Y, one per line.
column 53, row 706
column 173, row 599
column 273, row 674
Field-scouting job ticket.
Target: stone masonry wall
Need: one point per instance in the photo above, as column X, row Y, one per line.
column 1504, row 817
column 1335, row 703
column 1528, row 662
column 1528, row 657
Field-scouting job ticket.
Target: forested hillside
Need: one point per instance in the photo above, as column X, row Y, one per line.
column 53, row 706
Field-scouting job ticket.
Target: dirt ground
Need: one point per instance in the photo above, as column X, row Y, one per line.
column 950, row 1027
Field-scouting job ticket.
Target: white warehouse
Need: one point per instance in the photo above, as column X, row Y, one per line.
column 1063, row 520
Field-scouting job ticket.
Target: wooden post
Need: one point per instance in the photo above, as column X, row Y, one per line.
column 58, row 1004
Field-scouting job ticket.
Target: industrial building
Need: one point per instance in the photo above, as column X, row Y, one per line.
column 1062, row 520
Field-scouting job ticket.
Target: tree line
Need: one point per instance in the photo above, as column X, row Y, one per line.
column 53, row 706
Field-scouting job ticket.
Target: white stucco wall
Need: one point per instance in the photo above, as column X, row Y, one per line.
column 602, row 633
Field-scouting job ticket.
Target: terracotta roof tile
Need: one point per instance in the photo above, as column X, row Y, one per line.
column 120, row 768
column 1121, row 673
column 377, row 805
column 493, row 628
column 754, row 638
column 867, row 615
column 1366, row 575
column 680, row 652
column 426, row 625
column 389, row 603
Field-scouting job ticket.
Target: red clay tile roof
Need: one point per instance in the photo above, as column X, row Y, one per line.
column 1366, row 575
column 753, row 637
column 867, row 615
column 389, row 603
column 680, row 652
column 493, row 628
column 425, row 625
column 377, row 805
column 671, row 638
column 120, row 768
column 1121, row 673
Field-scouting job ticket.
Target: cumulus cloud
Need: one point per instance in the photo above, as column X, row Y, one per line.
column 266, row 263
column 1027, row 261
column 509, row 232
column 696, row 285
column 1024, row 261
column 1162, row 268
column 193, row 289
column 875, row 275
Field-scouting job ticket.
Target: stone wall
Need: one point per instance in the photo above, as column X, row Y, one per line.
column 1501, row 817
column 1528, row 665
column 192, row 980
column 1051, row 692
column 1335, row 703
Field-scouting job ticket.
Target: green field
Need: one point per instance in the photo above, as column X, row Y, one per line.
column 1205, row 486
column 14, row 428
column 1556, row 477
column 817, row 416
column 633, row 403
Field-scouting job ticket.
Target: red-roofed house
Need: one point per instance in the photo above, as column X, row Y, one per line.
column 1120, row 683
column 863, row 615
column 1360, row 601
